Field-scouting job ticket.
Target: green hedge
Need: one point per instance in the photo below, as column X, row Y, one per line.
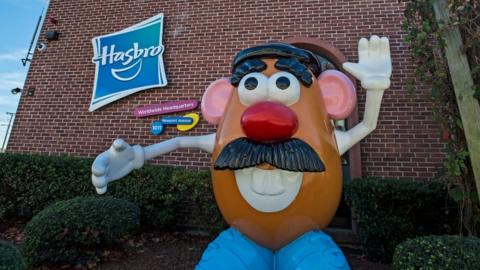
column 10, row 257
column 445, row 252
column 76, row 230
column 390, row 211
column 29, row 183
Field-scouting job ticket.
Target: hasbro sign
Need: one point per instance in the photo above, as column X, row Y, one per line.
column 128, row 61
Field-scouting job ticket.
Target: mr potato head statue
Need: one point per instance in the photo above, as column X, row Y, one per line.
column 276, row 155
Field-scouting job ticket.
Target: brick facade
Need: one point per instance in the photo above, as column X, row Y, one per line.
column 201, row 38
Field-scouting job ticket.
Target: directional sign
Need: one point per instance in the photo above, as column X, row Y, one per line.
column 176, row 120
column 164, row 108
column 186, row 127
column 157, row 127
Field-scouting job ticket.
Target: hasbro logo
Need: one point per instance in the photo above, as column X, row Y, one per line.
column 128, row 61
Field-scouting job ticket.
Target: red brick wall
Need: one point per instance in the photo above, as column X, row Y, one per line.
column 201, row 38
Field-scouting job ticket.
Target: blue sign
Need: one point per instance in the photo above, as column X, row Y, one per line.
column 128, row 61
column 158, row 126
column 176, row 120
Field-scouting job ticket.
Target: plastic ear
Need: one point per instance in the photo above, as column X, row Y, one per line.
column 215, row 100
column 338, row 94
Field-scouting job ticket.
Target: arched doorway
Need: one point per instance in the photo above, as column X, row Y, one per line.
column 332, row 58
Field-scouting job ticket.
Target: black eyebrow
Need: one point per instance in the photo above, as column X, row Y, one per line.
column 297, row 68
column 248, row 66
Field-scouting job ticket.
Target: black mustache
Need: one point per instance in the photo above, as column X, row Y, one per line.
column 291, row 155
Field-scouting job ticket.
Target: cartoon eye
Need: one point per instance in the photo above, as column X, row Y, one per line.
column 251, row 83
column 253, row 88
column 283, row 87
column 282, row 82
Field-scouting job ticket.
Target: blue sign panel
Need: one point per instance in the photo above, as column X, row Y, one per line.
column 157, row 127
column 128, row 61
column 176, row 120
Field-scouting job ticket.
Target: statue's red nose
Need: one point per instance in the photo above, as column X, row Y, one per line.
column 269, row 122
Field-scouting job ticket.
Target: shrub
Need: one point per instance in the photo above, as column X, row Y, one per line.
column 152, row 189
column 390, row 211
column 199, row 210
column 29, row 183
column 10, row 257
column 166, row 195
column 74, row 231
column 446, row 252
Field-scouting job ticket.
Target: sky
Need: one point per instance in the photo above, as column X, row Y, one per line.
column 18, row 19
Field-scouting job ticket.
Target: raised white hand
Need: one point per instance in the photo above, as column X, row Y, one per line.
column 115, row 163
column 374, row 66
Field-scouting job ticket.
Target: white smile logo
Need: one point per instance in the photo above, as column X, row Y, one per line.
column 115, row 71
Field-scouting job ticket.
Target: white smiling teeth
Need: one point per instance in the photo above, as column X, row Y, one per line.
column 268, row 190
column 266, row 182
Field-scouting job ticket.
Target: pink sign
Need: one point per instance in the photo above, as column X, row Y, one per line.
column 169, row 107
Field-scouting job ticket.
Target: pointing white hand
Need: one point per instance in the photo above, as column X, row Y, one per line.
column 115, row 163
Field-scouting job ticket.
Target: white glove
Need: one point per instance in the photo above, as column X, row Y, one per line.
column 374, row 66
column 115, row 163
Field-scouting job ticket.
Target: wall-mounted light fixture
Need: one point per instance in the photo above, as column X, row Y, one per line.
column 52, row 35
column 16, row 90
column 41, row 47
column 30, row 92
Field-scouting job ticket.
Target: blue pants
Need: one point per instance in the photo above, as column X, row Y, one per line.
column 232, row 250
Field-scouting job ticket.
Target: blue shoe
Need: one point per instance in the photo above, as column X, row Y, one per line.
column 311, row 251
column 233, row 251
